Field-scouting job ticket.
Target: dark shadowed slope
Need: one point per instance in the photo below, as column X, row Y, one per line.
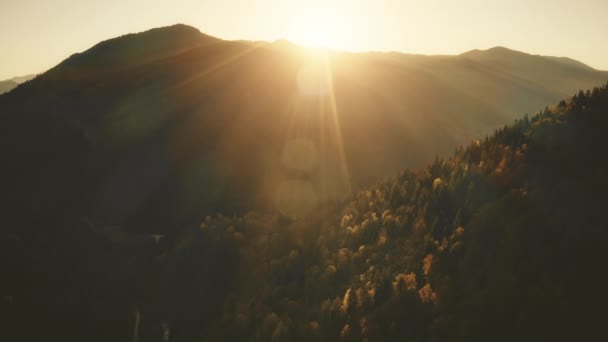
column 155, row 128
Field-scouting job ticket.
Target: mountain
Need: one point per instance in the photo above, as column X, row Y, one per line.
column 7, row 85
column 152, row 130
column 503, row 240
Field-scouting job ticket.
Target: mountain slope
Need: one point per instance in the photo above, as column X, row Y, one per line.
column 152, row 130
column 502, row 241
column 494, row 239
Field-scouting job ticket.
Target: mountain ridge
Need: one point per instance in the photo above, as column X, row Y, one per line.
column 504, row 52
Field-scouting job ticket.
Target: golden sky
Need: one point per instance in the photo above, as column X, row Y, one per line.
column 38, row 34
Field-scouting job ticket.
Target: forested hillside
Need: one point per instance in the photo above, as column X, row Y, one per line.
column 502, row 241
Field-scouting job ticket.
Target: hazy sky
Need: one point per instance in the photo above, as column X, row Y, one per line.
column 37, row 34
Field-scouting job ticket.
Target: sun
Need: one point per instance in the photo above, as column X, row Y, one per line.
column 314, row 31
column 315, row 35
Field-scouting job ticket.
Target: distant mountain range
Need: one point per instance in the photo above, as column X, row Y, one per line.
column 8, row 85
column 155, row 128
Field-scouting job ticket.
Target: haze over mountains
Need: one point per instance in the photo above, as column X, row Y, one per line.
column 7, row 85
column 172, row 118
column 11, row 83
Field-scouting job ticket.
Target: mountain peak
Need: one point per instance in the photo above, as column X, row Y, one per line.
column 494, row 51
column 176, row 29
column 501, row 49
column 504, row 54
column 139, row 47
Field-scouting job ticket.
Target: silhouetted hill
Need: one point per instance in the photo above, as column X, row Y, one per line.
column 136, row 49
column 151, row 130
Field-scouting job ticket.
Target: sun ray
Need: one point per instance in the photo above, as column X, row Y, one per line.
column 315, row 28
column 336, row 122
